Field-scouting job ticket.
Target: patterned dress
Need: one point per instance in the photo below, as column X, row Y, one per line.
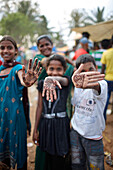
column 13, row 136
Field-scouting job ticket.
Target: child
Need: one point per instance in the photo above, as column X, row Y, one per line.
column 13, row 128
column 88, row 120
column 45, row 46
column 54, row 128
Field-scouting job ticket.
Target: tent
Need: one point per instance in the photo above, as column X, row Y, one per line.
column 98, row 32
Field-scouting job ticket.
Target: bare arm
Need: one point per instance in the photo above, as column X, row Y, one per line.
column 103, row 68
column 69, row 61
column 37, row 118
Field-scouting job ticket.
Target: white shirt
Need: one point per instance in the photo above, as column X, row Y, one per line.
column 88, row 119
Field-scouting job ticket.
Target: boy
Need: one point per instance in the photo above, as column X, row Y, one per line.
column 88, row 122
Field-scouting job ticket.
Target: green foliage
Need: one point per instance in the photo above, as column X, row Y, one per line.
column 98, row 15
column 16, row 25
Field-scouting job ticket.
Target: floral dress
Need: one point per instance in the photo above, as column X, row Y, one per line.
column 13, row 136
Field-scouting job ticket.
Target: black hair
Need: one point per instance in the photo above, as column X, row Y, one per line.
column 112, row 39
column 9, row 38
column 86, row 34
column 105, row 43
column 67, row 52
column 58, row 58
column 45, row 37
column 85, row 58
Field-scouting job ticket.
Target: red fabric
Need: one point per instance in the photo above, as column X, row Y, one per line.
column 79, row 52
column 0, row 62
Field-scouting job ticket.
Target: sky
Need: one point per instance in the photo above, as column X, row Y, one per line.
column 58, row 12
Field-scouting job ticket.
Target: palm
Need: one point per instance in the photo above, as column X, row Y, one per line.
column 50, row 88
column 32, row 73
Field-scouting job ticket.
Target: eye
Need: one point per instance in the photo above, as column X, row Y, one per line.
column 47, row 44
column 59, row 69
column 41, row 46
column 2, row 47
column 9, row 47
column 51, row 68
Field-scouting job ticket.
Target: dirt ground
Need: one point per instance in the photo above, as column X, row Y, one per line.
column 107, row 134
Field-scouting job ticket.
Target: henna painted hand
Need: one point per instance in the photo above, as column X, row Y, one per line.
column 50, row 88
column 86, row 79
column 32, row 74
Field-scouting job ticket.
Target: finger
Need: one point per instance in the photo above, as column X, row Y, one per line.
column 51, row 95
column 34, row 64
column 23, row 71
column 92, row 84
column 95, row 79
column 90, row 73
column 39, row 72
column 37, row 67
column 58, row 84
column 55, row 95
column 81, row 67
column 47, row 95
column 43, row 92
column 96, row 76
column 29, row 64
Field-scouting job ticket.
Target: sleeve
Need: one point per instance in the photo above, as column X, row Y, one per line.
column 104, row 88
column 18, row 67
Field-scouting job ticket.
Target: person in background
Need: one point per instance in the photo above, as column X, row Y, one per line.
column 97, row 54
column 107, row 68
column 72, row 52
column 51, row 116
column 88, row 120
column 83, row 50
column 13, row 126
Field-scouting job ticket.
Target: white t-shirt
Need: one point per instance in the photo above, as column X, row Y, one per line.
column 88, row 119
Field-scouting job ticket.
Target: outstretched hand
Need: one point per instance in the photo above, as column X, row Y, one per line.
column 86, row 79
column 32, row 74
column 49, row 88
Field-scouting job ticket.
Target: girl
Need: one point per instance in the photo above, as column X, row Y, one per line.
column 45, row 46
column 54, row 126
column 13, row 136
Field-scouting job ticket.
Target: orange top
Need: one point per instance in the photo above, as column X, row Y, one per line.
column 79, row 52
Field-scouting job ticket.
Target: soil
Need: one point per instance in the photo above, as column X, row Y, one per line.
column 107, row 134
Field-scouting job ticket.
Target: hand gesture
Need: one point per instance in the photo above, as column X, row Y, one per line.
column 32, row 74
column 36, row 138
column 49, row 88
column 86, row 79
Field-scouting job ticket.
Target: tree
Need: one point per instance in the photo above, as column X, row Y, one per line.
column 77, row 18
column 98, row 16
column 17, row 25
column 29, row 9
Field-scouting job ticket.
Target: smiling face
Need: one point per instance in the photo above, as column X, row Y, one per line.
column 7, row 51
column 55, row 68
column 45, row 47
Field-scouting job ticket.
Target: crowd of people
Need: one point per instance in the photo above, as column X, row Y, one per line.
column 73, row 96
